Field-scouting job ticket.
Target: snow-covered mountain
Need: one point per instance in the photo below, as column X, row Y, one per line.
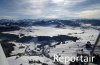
column 34, row 42
column 47, row 22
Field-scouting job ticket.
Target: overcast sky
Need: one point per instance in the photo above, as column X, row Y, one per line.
column 52, row 9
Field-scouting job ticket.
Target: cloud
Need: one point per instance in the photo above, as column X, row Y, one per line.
column 89, row 14
column 57, row 1
column 49, row 8
column 7, row 17
column 86, row 5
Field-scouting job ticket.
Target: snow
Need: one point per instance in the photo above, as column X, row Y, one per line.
column 70, row 48
column 3, row 60
column 45, row 31
column 24, row 60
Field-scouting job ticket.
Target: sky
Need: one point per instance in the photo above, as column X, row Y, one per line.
column 49, row 9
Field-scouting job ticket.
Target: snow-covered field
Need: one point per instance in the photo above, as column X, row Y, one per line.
column 70, row 48
column 45, row 31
